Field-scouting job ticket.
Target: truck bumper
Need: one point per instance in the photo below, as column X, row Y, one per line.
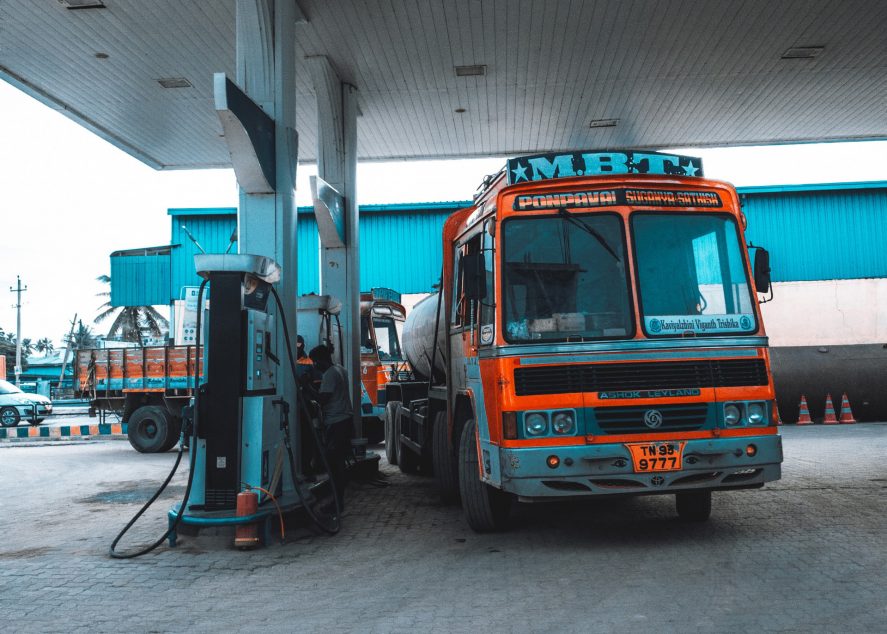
column 606, row 469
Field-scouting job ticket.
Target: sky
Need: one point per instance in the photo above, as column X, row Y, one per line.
column 68, row 199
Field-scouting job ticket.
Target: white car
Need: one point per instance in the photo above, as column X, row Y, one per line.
column 16, row 405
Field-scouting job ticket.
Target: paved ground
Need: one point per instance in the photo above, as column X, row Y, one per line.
column 808, row 553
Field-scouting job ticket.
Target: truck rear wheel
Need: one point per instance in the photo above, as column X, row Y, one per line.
column 149, row 429
column 446, row 467
column 486, row 509
column 693, row 506
column 390, row 419
column 175, row 430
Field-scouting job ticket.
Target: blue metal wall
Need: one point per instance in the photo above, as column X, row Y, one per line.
column 140, row 280
column 212, row 227
column 820, row 232
column 399, row 245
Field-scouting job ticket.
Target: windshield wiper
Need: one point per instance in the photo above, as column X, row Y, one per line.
column 566, row 215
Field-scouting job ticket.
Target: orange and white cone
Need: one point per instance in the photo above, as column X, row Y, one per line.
column 804, row 416
column 846, row 412
column 829, row 418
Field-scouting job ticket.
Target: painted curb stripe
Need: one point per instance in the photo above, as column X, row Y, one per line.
column 116, row 430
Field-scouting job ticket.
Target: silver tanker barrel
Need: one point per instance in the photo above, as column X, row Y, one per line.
column 418, row 339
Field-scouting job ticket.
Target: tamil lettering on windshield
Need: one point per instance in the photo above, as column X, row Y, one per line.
column 691, row 275
column 565, row 278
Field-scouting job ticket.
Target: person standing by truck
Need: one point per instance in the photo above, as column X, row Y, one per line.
column 335, row 403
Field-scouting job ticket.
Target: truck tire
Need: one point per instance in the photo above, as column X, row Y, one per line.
column 390, row 447
column 485, row 508
column 446, row 467
column 693, row 506
column 407, row 461
column 148, row 429
column 175, row 430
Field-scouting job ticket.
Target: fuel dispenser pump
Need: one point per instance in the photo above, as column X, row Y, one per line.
column 239, row 428
column 234, row 447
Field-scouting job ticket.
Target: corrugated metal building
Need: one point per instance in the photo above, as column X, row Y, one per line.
column 820, row 232
column 400, row 249
column 813, row 232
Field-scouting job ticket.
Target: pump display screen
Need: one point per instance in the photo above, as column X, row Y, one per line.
column 565, row 278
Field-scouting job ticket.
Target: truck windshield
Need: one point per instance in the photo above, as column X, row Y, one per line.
column 565, row 278
column 691, row 275
column 386, row 337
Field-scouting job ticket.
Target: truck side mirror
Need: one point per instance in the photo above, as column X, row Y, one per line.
column 762, row 270
column 474, row 278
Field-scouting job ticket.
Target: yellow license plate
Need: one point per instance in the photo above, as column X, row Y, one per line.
column 650, row 457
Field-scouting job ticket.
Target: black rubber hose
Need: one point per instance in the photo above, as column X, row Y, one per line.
column 193, row 446
column 336, row 524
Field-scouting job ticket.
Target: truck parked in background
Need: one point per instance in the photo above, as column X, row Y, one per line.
column 597, row 333
column 148, row 386
column 381, row 359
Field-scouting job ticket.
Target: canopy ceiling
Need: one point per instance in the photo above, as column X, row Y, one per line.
column 667, row 73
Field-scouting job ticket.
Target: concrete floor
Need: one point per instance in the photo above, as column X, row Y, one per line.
column 807, row 553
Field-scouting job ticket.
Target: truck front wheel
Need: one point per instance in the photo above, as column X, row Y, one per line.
column 693, row 506
column 149, row 429
column 390, row 439
column 486, row 509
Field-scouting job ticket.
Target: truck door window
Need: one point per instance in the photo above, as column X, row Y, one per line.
column 367, row 346
column 488, row 305
column 462, row 306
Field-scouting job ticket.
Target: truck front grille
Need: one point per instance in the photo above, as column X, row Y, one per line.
column 605, row 377
column 630, row 420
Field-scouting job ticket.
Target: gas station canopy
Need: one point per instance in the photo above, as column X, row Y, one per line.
column 457, row 78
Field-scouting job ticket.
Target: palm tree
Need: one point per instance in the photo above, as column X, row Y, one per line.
column 131, row 322
column 83, row 337
column 45, row 346
column 27, row 347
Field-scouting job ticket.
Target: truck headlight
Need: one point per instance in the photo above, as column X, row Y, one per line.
column 732, row 414
column 563, row 423
column 536, row 423
column 756, row 413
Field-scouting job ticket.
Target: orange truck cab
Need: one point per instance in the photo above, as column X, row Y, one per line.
column 381, row 358
column 603, row 336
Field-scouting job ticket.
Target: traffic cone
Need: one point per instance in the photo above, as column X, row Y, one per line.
column 804, row 416
column 829, row 418
column 778, row 417
column 846, row 412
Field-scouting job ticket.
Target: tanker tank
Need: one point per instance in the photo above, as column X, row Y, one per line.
column 418, row 339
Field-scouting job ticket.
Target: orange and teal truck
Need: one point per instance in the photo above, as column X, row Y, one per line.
column 381, row 358
column 597, row 333
column 146, row 386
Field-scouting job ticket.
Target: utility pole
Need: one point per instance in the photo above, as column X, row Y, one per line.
column 68, row 343
column 18, row 290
